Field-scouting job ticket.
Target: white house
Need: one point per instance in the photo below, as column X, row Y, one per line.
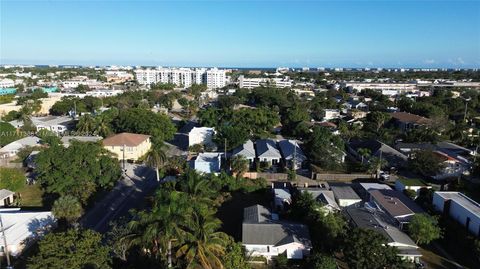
column 201, row 135
column 330, row 114
column 459, row 207
column 345, row 196
column 267, row 151
column 7, row 83
column 264, row 235
column 55, row 124
column 326, row 197
column 292, row 153
column 208, row 162
column 11, row 150
column 22, row 228
column 6, row 197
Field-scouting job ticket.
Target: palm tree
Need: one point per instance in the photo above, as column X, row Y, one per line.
column 156, row 158
column 67, row 208
column 157, row 228
column 86, row 124
column 196, row 187
column 203, row 245
column 239, row 165
column 364, row 152
column 102, row 127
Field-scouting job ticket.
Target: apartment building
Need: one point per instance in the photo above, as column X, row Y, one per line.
column 214, row 78
column 7, row 83
column 250, row 83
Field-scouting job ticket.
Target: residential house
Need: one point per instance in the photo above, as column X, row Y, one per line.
column 406, row 121
column 10, row 150
column 264, row 235
column 395, row 204
column 331, row 114
column 247, row 150
column 208, row 162
column 55, row 124
column 346, row 196
column 292, row 153
column 6, row 197
column 413, row 184
column 22, row 228
column 379, row 150
column 460, row 208
column 364, row 189
column 366, row 219
column 268, row 152
column 128, row 146
column 325, row 197
column 201, row 135
column 282, row 198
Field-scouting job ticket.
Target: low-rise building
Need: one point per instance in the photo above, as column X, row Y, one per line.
column 201, row 135
column 247, row 150
column 268, row 152
column 292, row 153
column 379, row 150
column 365, row 219
column 6, row 197
column 10, row 150
column 128, row 146
column 55, row 124
column 406, row 121
column 346, row 196
column 325, row 197
column 460, row 208
column 396, row 205
column 250, row 83
column 66, row 140
column 264, row 235
column 22, row 228
column 413, row 184
column 331, row 114
column 281, row 198
column 208, row 162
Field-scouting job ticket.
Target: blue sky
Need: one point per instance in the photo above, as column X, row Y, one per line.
column 242, row 33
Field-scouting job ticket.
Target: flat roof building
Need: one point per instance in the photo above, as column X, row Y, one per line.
column 459, row 207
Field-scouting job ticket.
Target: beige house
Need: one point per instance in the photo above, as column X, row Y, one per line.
column 128, row 146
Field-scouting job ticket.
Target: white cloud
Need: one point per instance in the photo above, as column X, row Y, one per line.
column 429, row 61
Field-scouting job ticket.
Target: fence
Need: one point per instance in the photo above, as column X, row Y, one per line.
column 339, row 177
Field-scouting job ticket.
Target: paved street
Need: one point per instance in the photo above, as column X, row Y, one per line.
column 129, row 193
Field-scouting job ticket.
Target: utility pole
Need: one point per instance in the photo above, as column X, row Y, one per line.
column 123, row 161
column 225, row 152
column 5, row 249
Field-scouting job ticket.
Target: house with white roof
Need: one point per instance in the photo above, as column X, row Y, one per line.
column 208, row 162
column 66, row 140
column 459, row 207
column 55, row 124
column 325, row 197
column 264, row 235
column 201, row 135
column 268, row 152
column 22, row 228
column 10, row 150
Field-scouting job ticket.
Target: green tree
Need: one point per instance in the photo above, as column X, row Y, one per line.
column 143, row 121
column 67, row 208
column 86, row 124
column 322, row 261
column 239, row 166
column 73, row 249
column 156, row 159
column 426, row 163
column 233, row 135
column 364, row 153
column 78, row 170
column 424, row 229
column 235, row 256
column 320, row 143
column 377, row 119
column 367, row 249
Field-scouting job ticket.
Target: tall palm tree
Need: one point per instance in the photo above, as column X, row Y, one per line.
column 86, row 124
column 203, row 245
column 157, row 228
column 196, row 186
column 364, row 152
column 67, row 208
column 156, row 158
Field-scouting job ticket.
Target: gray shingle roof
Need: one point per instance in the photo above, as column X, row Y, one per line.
column 267, row 148
column 246, row 150
column 287, row 147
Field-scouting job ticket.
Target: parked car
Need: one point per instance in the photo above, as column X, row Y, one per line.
column 384, row 176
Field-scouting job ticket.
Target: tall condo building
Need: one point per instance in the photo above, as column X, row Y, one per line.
column 214, row 78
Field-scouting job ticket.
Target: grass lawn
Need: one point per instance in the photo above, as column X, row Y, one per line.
column 31, row 196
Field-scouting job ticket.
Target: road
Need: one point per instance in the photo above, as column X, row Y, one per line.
column 130, row 192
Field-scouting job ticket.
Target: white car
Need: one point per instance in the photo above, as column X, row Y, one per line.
column 384, row 176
